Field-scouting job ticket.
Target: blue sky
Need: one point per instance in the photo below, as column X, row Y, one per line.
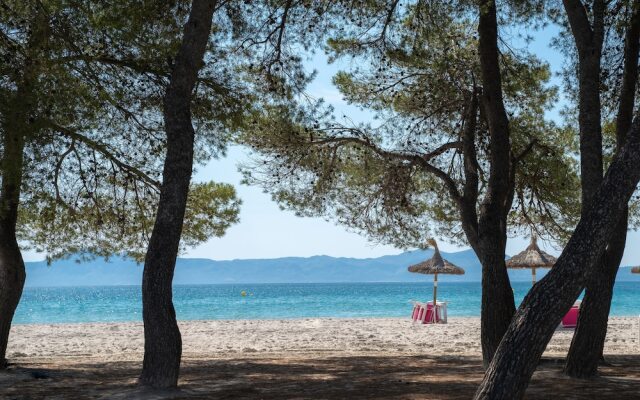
column 265, row 231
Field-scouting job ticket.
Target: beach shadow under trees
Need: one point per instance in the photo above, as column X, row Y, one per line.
column 314, row 377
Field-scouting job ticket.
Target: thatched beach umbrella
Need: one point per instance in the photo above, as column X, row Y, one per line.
column 531, row 258
column 635, row 270
column 434, row 266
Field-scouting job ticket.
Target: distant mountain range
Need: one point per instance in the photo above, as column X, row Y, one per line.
column 317, row 269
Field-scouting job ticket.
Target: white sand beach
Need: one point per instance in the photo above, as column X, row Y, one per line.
column 207, row 339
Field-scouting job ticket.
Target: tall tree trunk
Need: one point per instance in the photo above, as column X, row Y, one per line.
column 497, row 296
column 163, row 343
column 539, row 314
column 488, row 241
column 589, row 44
column 12, row 271
column 498, row 305
column 588, row 341
column 16, row 128
column 587, row 344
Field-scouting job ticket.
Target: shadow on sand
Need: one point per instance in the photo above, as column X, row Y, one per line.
column 300, row 377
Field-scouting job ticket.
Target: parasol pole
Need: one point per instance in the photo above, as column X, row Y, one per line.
column 533, row 276
column 534, row 242
column 435, row 288
column 435, row 292
column 433, row 243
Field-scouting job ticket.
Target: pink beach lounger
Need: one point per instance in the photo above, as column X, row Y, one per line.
column 417, row 309
column 571, row 319
column 429, row 318
column 424, row 313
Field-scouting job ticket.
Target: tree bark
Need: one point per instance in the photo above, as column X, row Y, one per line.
column 163, row 343
column 12, row 270
column 545, row 304
column 588, row 41
column 15, row 130
column 587, row 345
column 498, row 304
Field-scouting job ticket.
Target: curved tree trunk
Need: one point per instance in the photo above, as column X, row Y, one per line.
column 497, row 296
column 163, row 343
column 16, row 128
column 498, row 305
column 539, row 314
column 488, row 242
column 12, row 271
column 12, row 278
column 588, row 341
column 587, row 344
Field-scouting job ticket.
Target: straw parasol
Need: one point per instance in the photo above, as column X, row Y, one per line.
column 635, row 270
column 532, row 257
column 434, row 266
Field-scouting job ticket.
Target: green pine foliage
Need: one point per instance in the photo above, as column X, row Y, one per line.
column 415, row 69
column 95, row 144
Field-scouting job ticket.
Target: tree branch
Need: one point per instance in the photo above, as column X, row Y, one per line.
column 471, row 178
column 579, row 23
column 524, row 152
column 102, row 149
column 56, row 171
column 630, row 77
column 423, row 161
column 281, row 28
column 496, row 115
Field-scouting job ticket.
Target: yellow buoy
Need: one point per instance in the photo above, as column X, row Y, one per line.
column 243, row 293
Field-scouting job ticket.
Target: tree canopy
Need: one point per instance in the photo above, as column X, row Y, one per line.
column 95, row 144
column 401, row 178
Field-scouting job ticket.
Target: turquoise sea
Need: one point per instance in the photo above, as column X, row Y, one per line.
column 271, row 301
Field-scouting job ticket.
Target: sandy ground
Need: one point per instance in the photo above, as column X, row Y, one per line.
column 303, row 358
column 207, row 339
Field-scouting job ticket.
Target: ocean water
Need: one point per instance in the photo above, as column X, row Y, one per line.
column 272, row 301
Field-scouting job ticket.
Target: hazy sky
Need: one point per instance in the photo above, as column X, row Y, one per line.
column 265, row 231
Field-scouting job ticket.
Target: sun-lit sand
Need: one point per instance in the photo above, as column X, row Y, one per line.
column 204, row 339
column 282, row 358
